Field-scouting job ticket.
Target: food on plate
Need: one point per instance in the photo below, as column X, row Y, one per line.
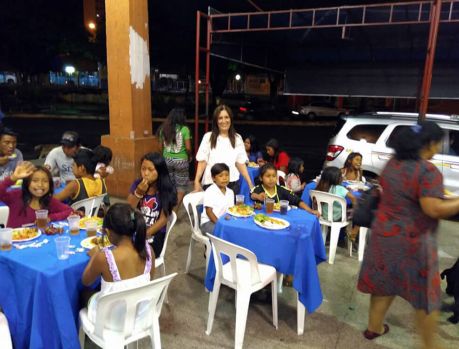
column 83, row 221
column 267, row 220
column 53, row 229
column 252, row 164
column 24, row 233
column 257, row 205
column 277, row 206
column 101, row 241
column 242, row 210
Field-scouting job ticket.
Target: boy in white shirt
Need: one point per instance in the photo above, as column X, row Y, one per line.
column 217, row 198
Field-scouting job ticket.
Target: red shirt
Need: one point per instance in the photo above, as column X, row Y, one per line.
column 282, row 160
column 13, row 199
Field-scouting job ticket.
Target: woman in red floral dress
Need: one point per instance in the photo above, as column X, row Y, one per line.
column 401, row 259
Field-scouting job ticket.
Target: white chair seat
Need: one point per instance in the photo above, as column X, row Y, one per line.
column 5, row 336
column 4, row 214
column 267, row 272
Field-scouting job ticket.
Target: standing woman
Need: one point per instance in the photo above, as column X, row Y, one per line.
column 175, row 141
column 276, row 156
column 221, row 145
column 401, row 259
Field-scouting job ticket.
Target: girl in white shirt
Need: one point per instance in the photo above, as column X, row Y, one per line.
column 217, row 198
column 221, row 145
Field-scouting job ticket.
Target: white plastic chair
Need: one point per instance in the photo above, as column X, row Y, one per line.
column 4, row 214
column 245, row 276
column 328, row 199
column 5, row 336
column 191, row 201
column 150, row 295
column 91, row 205
column 280, row 174
column 362, row 242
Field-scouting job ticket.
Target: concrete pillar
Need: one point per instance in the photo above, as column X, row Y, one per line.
column 129, row 93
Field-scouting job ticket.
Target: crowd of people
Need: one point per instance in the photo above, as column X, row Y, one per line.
column 401, row 259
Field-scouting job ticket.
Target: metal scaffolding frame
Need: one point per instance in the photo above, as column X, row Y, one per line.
column 431, row 12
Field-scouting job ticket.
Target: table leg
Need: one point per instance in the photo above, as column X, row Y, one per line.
column 300, row 313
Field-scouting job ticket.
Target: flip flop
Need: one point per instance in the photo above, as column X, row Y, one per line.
column 370, row 335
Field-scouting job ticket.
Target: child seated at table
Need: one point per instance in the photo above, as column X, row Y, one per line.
column 85, row 185
column 36, row 194
column 352, row 169
column 270, row 189
column 217, row 198
column 130, row 263
column 330, row 182
column 293, row 179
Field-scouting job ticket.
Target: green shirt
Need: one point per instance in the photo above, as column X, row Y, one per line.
column 177, row 150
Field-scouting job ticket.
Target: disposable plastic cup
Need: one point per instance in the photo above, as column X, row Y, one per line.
column 62, row 246
column 42, row 218
column 239, row 200
column 91, row 227
column 269, row 205
column 6, row 239
column 74, row 224
column 283, row 206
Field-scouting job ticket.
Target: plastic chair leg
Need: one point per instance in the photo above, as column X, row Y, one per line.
column 362, row 241
column 300, row 313
column 280, row 280
column 155, row 334
column 188, row 258
column 213, row 298
column 324, row 229
column 274, row 302
column 242, row 309
column 334, row 235
column 82, row 337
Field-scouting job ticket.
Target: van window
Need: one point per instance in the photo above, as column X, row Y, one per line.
column 370, row 133
column 394, row 134
column 452, row 146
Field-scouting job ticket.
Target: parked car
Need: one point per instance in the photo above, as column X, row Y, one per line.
column 371, row 135
column 315, row 109
column 8, row 78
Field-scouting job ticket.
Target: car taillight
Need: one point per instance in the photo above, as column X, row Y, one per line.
column 333, row 151
column 242, row 109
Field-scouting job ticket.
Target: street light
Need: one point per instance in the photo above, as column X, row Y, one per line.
column 69, row 69
column 237, row 77
column 91, row 25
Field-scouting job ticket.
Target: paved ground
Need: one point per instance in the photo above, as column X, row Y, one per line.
column 337, row 324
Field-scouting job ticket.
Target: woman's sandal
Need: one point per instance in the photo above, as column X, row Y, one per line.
column 370, row 335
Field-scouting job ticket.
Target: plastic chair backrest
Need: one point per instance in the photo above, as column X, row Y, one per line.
column 221, row 247
column 152, row 293
column 321, row 197
column 91, row 205
column 170, row 224
column 191, row 201
column 281, row 177
column 4, row 214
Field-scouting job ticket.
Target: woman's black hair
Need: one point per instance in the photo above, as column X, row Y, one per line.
column 123, row 220
column 350, row 157
column 294, row 165
column 265, row 168
column 88, row 159
column 27, row 196
column 274, row 143
column 168, row 129
column 254, row 148
column 409, row 141
column 218, row 168
column 167, row 191
column 104, row 154
column 330, row 176
column 216, row 131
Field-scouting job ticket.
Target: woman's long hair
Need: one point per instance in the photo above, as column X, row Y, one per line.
column 274, row 143
column 168, row 129
column 216, row 131
column 294, row 165
column 167, row 191
column 409, row 141
column 254, row 148
column 330, row 176
column 126, row 221
column 27, row 196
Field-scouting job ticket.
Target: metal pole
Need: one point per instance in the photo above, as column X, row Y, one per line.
column 428, row 67
column 196, row 84
column 209, row 38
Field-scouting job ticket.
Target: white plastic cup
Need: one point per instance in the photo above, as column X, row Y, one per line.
column 91, row 227
column 62, row 247
column 74, row 224
column 6, row 239
column 239, row 199
column 283, row 206
column 42, row 218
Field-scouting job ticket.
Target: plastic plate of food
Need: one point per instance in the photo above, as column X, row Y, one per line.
column 93, row 241
column 277, row 207
column 252, row 164
column 25, row 234
column 270, row 223
column 83, row 221
column 241, row 211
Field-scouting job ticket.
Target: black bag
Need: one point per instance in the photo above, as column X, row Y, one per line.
column 367, row 204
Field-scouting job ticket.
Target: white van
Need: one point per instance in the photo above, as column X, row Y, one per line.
column 371, row 134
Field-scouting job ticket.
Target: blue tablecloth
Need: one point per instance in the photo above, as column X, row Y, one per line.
column 39, row 295
column 245, row 190
column 288, row 250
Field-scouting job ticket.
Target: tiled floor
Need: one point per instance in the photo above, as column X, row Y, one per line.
column 337, row 324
